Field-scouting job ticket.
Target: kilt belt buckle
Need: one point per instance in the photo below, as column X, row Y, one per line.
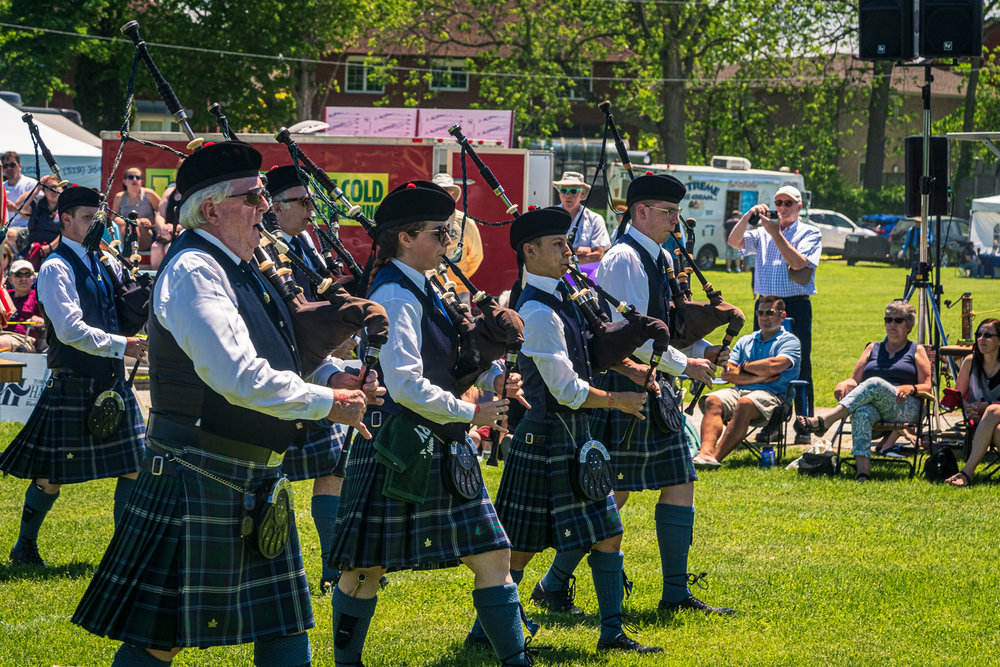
column 529, row 438
column 156, row 467
column 376, row 418
column 48, row 383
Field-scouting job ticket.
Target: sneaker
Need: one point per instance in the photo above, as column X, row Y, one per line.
column 25, row 552
column 557, row 601
column 691, row 602
column 623, row 643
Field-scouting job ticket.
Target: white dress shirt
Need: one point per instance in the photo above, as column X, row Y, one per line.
column 591, row 232
column 58, row 295
column 402, row 364
column 545, row 343
column 193, row 300
column 621, row 273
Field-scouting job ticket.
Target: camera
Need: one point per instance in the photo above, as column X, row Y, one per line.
column 755, row 218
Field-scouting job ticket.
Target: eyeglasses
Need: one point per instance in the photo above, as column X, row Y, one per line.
column 443, row 234
column 133, row 177
column 766, row 313
column 569, row 191
column 985, row 334
column 784, row 202
column 9, row 165
column 897, row 320
column 254, row 197
column 671, row 212
column 23, row 274
column 305, row 201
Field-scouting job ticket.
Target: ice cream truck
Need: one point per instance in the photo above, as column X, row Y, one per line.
column 712, row 192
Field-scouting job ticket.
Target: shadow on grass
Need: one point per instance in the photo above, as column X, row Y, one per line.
column 17, row 572
column 550, row 653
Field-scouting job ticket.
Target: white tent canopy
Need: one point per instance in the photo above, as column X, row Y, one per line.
column 984, row 229
column 78, row 162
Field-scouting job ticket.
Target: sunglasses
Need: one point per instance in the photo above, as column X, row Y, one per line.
column 9, row 165
column 305, row 201
column 767, row 313
column 985, row 334
column 443, row 235
column 254, row 197
column 897, row 320
column 23, row 274
column 133, row 177
column 784, row 202
column 569, row 191
column 671, row 212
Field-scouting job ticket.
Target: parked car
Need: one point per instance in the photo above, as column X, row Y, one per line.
column 835, row 228
column 954, row 232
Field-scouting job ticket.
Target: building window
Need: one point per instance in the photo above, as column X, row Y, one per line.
column 363, row 77
column 577, row 86
column 449, row 75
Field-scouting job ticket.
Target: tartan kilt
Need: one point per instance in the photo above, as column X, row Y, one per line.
column 536, row 502
column 376, row 531
column 177, row 572
column 56, row 445
column 317, row 456
column 654, row 459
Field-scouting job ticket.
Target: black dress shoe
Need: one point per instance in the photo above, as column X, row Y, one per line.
column 623, row 643
column 472, row 641
column 691, row 602
column 557, row 601
column 25, row 552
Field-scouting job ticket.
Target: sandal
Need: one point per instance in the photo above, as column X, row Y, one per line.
column 803, row 427
column 961, row 473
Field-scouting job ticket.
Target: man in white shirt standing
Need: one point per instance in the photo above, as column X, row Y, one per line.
column 16, row 184
column 591, row 239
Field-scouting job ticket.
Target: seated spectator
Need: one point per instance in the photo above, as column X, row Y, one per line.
column 43, row 223
column 144, row 201
column 881, row 388
column 969, row 260
column 21, row 337
column 979, row 384
column 762, row 365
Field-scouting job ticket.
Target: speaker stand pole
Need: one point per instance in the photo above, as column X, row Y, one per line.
column 925, row 197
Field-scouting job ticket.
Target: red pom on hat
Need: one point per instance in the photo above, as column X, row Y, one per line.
column 273, row 166
column 532, row 207
column 208, row 143
column 649, row 173
column 410, row 186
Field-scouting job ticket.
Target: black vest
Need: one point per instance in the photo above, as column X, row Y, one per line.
column 178, row 394
column 656, row 275
column 313, row 258
column 575, row 330
column 98, row 306
column 438, row 349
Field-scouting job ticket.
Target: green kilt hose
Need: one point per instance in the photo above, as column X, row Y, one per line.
column 56, row 445
column 317, row 455
column 374, row 530
column 654, row 459
column 536, row 502
column 178, row 574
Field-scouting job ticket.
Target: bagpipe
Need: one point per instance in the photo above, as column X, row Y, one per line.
column 611, row 342
column 690, row 320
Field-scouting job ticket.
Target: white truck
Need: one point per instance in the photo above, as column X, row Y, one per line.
column 729, row 184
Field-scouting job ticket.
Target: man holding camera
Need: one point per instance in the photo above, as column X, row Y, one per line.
column 787, row 254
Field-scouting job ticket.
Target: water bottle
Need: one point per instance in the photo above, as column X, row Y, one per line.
column 768, row 459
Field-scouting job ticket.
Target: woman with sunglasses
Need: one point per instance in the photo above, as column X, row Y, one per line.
column 979, row 384
column 881, row 388
column 144, row 201
column 23, row 337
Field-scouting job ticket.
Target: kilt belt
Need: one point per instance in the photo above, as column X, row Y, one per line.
column 166, row 431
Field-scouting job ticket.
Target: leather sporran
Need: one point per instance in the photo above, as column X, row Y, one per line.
column 666, row 408
column 105, row 414
column 592, row 475
column 462, row 474
column 266, row 520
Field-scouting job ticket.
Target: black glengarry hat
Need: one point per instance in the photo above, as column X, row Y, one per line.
column 538, row 222
column 78, row 196
column 217, row 162
column 414, row 201
column 662, row 187
column 282, row 178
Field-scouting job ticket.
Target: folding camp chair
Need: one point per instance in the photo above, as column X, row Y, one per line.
column 773, row 432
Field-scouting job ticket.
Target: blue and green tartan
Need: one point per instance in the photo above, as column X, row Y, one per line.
column 177, row 572
column 536, row 502
column 654, row 459
column 317, row 456
column 373, row 530
column 56, row 445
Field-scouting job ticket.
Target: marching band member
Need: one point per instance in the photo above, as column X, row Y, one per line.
column 538, row 502
column 414, row 497
column 207, row 554
column 59, row 444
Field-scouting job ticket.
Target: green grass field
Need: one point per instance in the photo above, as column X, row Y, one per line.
column 822, row 571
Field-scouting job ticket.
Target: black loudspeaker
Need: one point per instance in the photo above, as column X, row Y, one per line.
column 938, row 204
column 886, row 29
column 951, row 28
